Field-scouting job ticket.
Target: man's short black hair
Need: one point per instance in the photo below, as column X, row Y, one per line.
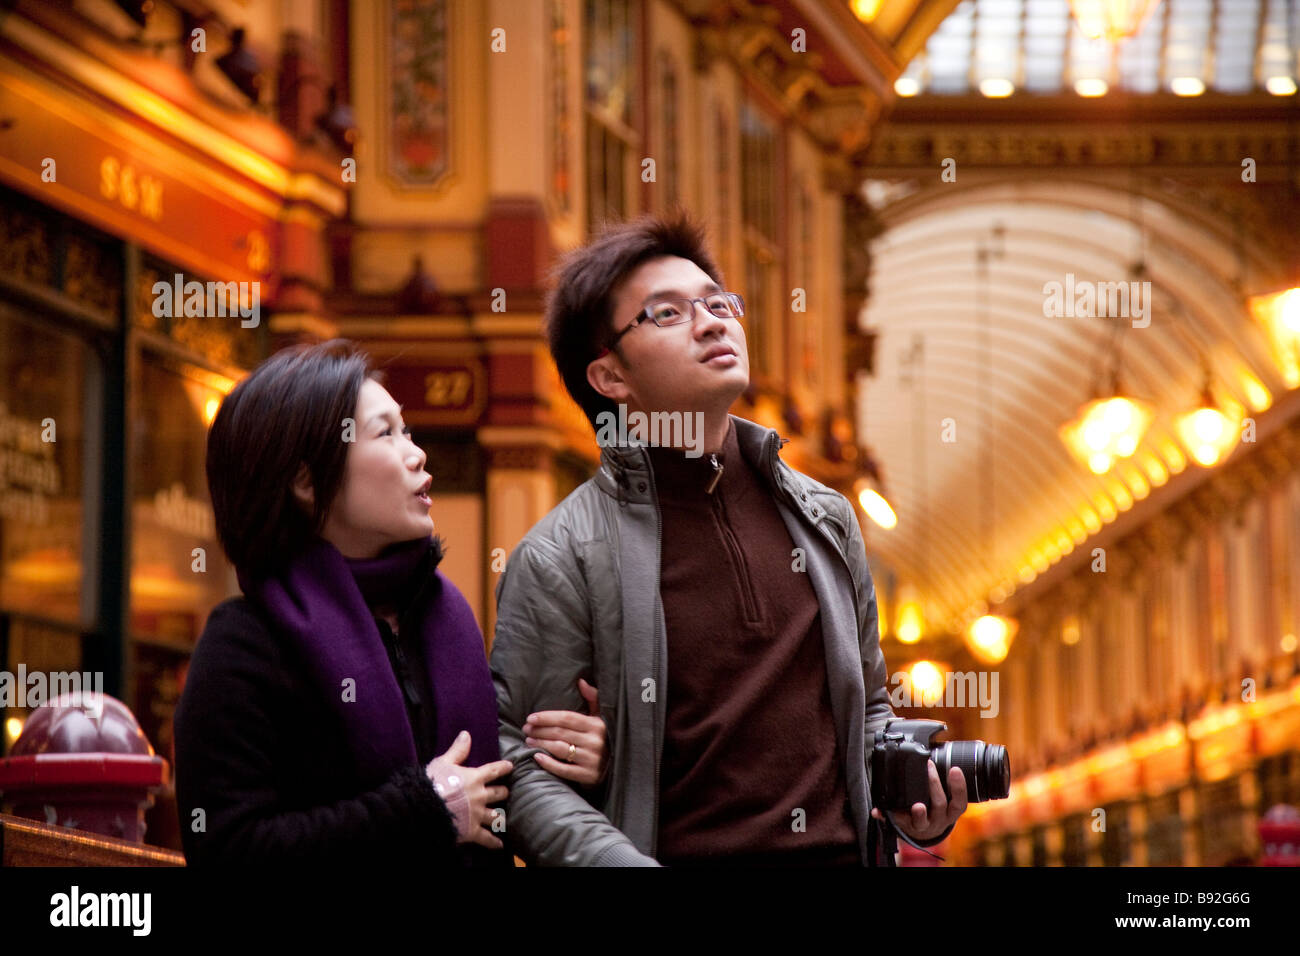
column 289, row 413
column 578, row 308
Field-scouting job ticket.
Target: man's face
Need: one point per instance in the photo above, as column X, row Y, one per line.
column 698, row 365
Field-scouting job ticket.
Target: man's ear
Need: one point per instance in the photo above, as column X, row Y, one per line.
column 302, row 489
column 605, row 375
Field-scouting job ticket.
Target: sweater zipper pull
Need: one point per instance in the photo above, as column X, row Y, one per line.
column 717, row 473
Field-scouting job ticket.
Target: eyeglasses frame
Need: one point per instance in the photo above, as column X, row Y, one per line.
column 738, row 303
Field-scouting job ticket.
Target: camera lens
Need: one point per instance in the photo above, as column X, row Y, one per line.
column 986, row 767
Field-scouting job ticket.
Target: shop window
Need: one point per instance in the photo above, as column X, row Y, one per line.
column 670, row 132
column 1116, row 840
column 758, row 192
column 1221, row 820
column 722, row 181
column 1038, row 844
column 1164, row 831
column 1074, row 840
column 561, row 118
column 609, row 57
column 178, row 571
column 44, row 377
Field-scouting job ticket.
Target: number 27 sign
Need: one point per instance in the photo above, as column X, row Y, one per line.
column 448, row 389
column 441, row 392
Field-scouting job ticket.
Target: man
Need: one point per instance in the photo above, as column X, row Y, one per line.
column 720, row 601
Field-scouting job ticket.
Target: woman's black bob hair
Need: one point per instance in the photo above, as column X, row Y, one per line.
column 289, row 414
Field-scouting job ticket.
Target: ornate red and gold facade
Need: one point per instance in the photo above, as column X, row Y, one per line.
column 130, row 165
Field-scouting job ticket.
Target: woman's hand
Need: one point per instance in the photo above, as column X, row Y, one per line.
column 574, row 743
column 466, row 792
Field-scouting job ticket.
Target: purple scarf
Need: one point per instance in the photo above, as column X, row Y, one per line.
column 320, row 601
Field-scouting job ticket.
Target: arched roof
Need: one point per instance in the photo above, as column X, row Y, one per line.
column 925, row 283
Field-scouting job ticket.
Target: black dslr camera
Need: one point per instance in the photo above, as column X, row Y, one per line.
column 898, row 773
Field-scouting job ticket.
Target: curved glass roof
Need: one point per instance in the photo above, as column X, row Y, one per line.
column 1005, row 47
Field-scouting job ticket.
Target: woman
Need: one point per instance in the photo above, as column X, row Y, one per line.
column 342, row 710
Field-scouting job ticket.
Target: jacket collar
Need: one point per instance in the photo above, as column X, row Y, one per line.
column 625, row 472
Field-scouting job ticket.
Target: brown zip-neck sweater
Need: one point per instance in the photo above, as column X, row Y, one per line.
column 750, row 774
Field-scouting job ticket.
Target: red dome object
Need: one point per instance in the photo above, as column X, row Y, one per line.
column 82, row 761
column 1279, row 830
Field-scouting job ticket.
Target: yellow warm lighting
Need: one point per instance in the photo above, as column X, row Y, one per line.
column 866, row 10
column 996, row 88
column 1257, row 395
column 1036, row 785
column 1110, row 19
column 1027, row 575
column 1091, row 520
column 877, row 508
column 1187, row 86
column 14, row 727
column 1070, row 631
column 1208, row 434
column 1106, row 508
column 990, row 637
column 1134, row 480
column 1117, row 490
column 1213, row 720
column 205, row 395
column 927, row 682
column 1108, row 759
column 1155, row 470
column 911, row 624
column 1279, row 314
column 46, row 568
column 1078, row 533
column 1171, row 453
column 1091, row 86
column 1106, row 429
column 1280, row 85
column 1288, row 643
column 906, row 86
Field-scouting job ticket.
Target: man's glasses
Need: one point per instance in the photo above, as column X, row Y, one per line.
column 667, row 312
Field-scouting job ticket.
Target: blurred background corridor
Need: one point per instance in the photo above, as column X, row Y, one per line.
column 1022, row 276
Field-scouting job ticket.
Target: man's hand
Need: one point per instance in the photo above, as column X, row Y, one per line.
column 554, row 731
column 923, row 825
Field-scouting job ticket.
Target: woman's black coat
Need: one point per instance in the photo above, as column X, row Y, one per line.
column 262, row 773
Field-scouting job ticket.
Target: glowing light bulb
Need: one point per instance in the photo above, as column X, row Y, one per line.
column 877, row 508
column 997, row 88
column 910, row 623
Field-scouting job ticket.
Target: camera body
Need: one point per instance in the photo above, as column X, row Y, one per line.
column 899, row 777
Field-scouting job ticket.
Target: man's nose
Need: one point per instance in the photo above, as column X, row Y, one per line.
column 704, row 322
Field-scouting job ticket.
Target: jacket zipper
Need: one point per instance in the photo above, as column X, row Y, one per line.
column 661, row 638
column 737, row 556
column 717, row 473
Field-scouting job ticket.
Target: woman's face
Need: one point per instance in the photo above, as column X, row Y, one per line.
column 384, row 495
